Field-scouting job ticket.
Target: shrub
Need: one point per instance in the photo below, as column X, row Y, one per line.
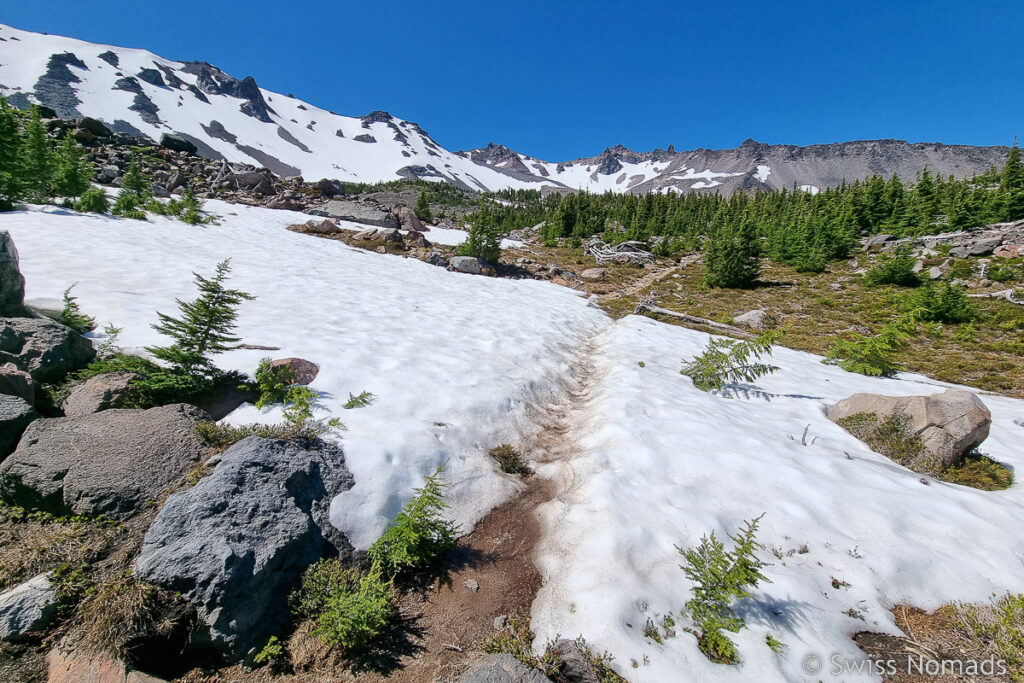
column 298, row 424
column 892, row 438
column 72, row 316
column 872, row 356
column 127, row 205
column 1004, row 273
column 516, row 638
column 509, row 459
column 896, row 268
column 349, row 608
column 420, row 533
column 727, row 360
column 93, row 200
column 980, row 472
column 945, row 303
column 720, row 578
column 270, row 653
column 997, row 630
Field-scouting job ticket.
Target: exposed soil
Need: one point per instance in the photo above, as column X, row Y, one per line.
column 933, row 642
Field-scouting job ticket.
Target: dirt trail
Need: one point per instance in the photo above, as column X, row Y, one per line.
column 443, row 623
column 635, row 287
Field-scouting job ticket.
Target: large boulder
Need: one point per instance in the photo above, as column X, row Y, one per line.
column 407, row 218
column 502, row 668
column 467, row 264
column 42, row 347
column 177, row 143
column 329, row 188
column 756, row 320
column 356, row 212
column 101, row 392
column 27, row 607
column 15, row 382
column 15, row 415
column 112, row 463
column 12, row 283
column 235, row 543
column 949, row 423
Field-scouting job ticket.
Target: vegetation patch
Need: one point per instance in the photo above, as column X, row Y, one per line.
column 725, row 361
column 509, row 459
column 893, row 438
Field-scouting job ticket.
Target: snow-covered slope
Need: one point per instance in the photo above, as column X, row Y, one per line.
column 663, row 463
column 456, row 361
column 459, row 363
column 136, row 91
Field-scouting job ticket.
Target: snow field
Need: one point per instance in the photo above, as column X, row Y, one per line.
column 663, row 463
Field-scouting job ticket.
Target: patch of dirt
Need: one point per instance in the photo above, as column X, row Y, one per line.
column 933, row 646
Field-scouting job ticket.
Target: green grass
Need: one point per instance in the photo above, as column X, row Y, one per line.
column 509, row 459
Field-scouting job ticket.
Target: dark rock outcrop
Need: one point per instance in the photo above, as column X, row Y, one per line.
column 502, row 668
column 98, row 393
column 177, row 143
column 235, row 543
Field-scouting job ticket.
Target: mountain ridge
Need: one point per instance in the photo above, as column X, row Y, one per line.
column 138, row 92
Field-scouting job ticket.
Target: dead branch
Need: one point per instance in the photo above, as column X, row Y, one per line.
column 1007, row 294
column 625, row 252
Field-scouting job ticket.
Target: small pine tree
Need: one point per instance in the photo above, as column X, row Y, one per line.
column 11, row 180
column 483, row 242
column 422, row 209
column 729, row 360
column 71, row 173
column 72, row 315
column 204, row 328
column 37, row 159
column 1011, row 185
column 94, row 200
column 191, row 208
column 420, row 533
column 731, row 257
column 136, row 191
column 721, row 577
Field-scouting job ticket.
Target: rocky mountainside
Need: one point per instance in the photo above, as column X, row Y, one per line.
column 136, row 92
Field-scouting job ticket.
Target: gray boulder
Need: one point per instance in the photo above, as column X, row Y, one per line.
column 42, row 347
column 101, row 392
column 12, row 283
column 950, row 423
column 111, row 463
column 756, row 320
column 27, row 607
column 235, row 543
column 329, row 188
column 436, row 258
column 467, row 264
column 15, row 415
column 304, row 371
column 503, row 668
column 357, row 212
column 574, row 665
column 15, row 382
column 389, row 235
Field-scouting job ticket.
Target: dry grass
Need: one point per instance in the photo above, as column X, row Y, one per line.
column 123, row 613
column 815, row 312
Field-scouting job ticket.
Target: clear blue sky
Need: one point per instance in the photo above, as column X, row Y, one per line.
column 560, row 80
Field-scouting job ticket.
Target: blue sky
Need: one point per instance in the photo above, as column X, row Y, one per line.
column 560, row 80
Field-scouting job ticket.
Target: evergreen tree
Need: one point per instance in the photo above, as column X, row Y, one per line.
column 1011, row 185
column 11, row 188
column 37, row 159
column 731, row 256
column 136, row 190
column 422, row 209
column 204, row 328
column 71, row 173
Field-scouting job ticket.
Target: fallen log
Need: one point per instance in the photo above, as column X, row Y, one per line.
column 658, row 310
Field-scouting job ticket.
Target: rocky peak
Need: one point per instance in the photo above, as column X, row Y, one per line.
column 213, row 81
